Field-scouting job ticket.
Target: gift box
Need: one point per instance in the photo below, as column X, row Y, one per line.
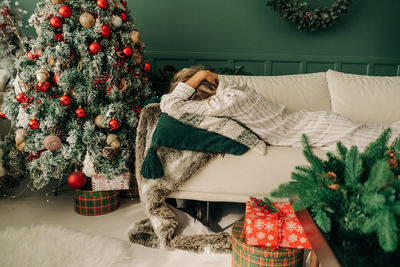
column 244, row 255
column 119, row 182
column 268, row 229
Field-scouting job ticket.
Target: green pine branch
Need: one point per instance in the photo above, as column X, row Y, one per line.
column 353, row 167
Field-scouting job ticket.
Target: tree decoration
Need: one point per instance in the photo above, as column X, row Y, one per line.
column 41, row 75
column 52, row 142
column 21, row 98
column 43, row 87
column 105, row 31
column 55, row 79
column 80, row 112
column 76, row 180
column 103, row 4
column 116, row 21
column 111, row 153
column 95, row 48
column 147, row 67
column 127, row 51
column 59, row 37
column 114, row 124
column 123, row 16
column 352, row 195
column 87, row 20
column 58, row 130
column 113, row 4
column 65, row 100
column 307, row 18
column 99, row 121
column 34, row 124
column 20, row 138
column 2, row 115
column 57, row 1
column 135, row 37
column 56, row 22
column 113, row 141
column 65, row 11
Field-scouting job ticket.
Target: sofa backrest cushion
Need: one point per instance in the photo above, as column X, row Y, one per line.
column 370, row 99
column 296, row 92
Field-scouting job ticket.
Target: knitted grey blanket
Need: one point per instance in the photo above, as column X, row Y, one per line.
column 158, row 230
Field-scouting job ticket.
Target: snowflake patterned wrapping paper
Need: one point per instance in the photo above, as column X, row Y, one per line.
column 120, row 182
column 261, row 228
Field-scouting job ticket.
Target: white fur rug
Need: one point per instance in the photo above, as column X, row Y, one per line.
column 50, row 245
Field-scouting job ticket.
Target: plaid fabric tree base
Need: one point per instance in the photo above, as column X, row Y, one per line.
column 90, row 203
column 244, row 255
column 133, row 191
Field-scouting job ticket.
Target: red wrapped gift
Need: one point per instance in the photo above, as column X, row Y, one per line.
column 267, row 229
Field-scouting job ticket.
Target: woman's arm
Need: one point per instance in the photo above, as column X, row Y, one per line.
column 201, row 75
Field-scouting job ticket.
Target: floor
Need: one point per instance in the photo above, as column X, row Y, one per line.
column 33, row 208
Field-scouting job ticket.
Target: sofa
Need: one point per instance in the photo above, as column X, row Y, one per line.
column 368, row 99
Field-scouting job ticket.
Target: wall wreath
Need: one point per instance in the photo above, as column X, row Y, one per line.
column 306, row 17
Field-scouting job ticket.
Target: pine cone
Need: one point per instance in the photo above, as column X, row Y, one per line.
column 110, row 152
column 331, row 175
column 58, row 130
column 8, row 181
column 81, row 121
column 393, row 164
column 100, row 82
column 334, row 187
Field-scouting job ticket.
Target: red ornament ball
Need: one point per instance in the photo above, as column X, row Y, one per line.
column 114, row 124
column 2, row 115
column 103, row 4
column 39, row 52
column 59, row 37
column 127, row 51
column 94, row 48
column 30, row 55
column 56, row 22
column 65, row 11
column 105, row 31
column 43, row 87
column 65, row 100
column 147, row 67
column 80, row 112
column 55, row 79
column 21, row 98
column 76, row 180
column 34, row 124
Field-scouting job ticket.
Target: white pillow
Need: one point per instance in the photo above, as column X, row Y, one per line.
column 369, row 99
column 296, row 92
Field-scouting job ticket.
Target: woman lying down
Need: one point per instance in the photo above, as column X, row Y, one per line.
column 199, row 92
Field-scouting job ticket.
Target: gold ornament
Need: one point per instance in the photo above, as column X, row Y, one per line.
column 135, row 37
column 41, row 75
column 99, row 121
column 20, row 137
column 87, row 20
column 52, row 61
column 116, row 21
column 137, row 57
column 57, row 1
column 116, row 4
column 113, row 141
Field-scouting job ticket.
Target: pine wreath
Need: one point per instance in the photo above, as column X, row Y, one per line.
column 306, row 17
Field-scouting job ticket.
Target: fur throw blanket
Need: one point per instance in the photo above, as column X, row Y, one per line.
column 159, row 229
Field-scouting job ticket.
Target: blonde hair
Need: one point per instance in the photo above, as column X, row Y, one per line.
column 203, row 91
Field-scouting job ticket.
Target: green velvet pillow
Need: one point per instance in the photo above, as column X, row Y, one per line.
column 172, row 133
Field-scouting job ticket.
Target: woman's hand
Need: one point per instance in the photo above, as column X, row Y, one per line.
column 201, row 75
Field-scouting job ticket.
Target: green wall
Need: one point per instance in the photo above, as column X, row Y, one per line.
column 225, row 32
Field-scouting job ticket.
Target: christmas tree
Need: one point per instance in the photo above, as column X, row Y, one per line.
column 352, row 194
column 75, row 101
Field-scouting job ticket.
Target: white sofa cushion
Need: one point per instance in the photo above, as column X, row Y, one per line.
column 235, row 178
column 363, row 98
column 296, row 92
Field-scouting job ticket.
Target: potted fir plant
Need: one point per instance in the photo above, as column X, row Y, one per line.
column 354, row 198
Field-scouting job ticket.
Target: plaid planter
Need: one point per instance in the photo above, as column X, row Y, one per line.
column 244, row 255
column 133, row 191
column 90, row 203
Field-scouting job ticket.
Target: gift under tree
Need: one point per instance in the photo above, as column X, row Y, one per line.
column 76, row 99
